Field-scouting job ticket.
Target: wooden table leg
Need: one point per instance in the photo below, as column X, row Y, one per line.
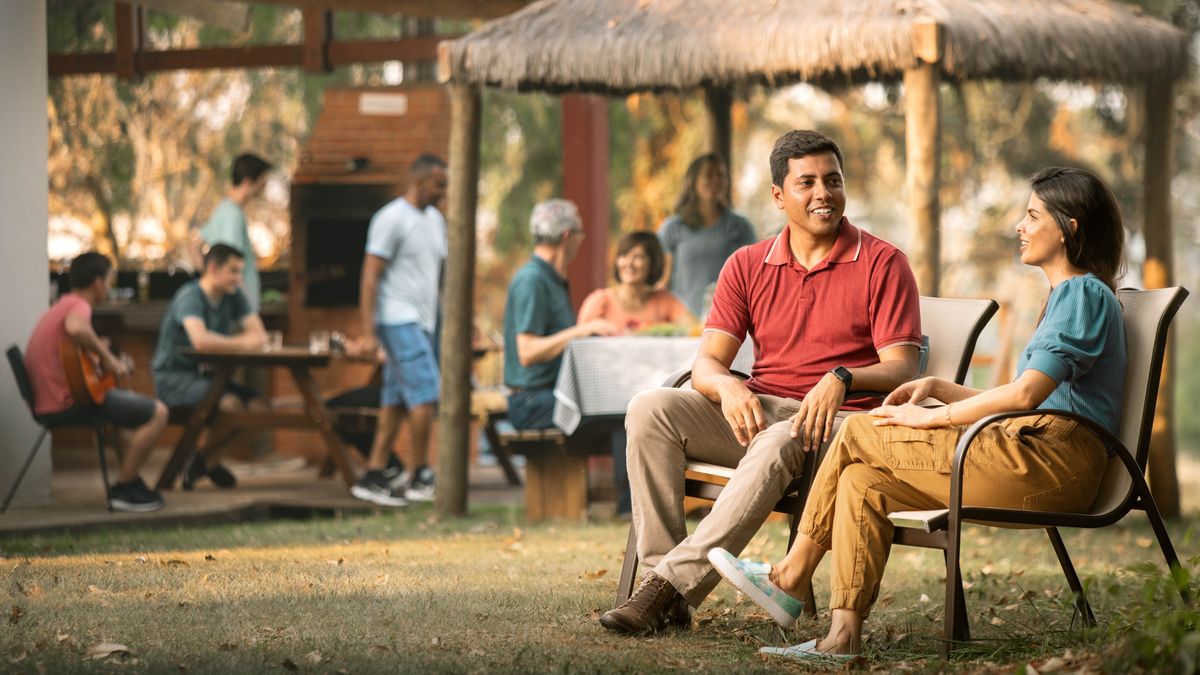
column 324, row 422
column 186, row 446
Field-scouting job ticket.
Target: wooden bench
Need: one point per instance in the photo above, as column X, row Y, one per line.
column 556, row 477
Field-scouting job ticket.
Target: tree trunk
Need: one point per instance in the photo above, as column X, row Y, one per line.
column 458, row 303
column 922, row 122
column 1157, row 273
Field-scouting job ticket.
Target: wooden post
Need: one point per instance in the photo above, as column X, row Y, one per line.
column 130, row 28
column 458, row 303
column 1158, row 273
column 922, row 125
column 718, row 103
column 318, row 32
column 585, row 182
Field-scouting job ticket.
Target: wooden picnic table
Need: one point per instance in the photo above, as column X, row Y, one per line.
column 316, row 417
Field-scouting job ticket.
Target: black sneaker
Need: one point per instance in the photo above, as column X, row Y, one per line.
column 373, row 487
column 133, row 496
column 395, row 474
column 217, row 473
column 421, row 487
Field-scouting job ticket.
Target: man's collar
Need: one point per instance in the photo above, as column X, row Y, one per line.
column 547, row 267
column 845, row 249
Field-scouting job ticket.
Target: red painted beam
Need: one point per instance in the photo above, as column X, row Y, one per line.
column 585, row 182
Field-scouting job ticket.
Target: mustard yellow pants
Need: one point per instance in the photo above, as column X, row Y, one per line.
column 1039, row 462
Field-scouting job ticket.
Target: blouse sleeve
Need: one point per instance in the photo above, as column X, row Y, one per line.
column 594, row 306
column 1072, row 334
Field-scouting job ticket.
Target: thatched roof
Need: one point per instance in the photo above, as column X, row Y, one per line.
column 623, row 46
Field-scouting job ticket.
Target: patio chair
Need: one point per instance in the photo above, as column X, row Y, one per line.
column 49, row 422
column 1147, row 315
column 952, row 327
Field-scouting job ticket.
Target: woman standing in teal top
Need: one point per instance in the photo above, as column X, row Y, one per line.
column 899, row 456
column 702, row 233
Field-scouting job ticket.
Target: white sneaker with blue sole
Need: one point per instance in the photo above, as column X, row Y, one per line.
column 753, row 579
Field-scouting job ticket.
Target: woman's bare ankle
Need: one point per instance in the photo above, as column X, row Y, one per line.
column 790, row 583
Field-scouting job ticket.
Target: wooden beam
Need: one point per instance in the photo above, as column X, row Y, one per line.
column 318, row 32
column 1158, row 272
column 415, row 49
column 718, row 104
column 443, row 9
column 458, row 303
column 922, row 126
column 129, row 29
column 585, row 182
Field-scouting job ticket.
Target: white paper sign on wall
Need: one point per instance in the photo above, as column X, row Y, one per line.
column 395, row 105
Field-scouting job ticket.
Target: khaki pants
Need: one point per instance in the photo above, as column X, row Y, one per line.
column 669, row 427
column 1039, row 463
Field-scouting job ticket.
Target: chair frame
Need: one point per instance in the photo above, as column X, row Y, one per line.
column 17, row 362
column 796, row 493
column 949, row 537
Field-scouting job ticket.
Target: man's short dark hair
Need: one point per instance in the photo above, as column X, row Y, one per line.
column 796, row 144
column 424, row 164
column 248, row 167
column 86, row 268
column 219, row 254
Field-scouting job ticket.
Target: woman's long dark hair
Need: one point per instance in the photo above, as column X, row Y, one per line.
column 1097, row 245
column 687, row 207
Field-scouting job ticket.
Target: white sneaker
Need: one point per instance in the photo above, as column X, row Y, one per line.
column 422, row 486
column 373, row 488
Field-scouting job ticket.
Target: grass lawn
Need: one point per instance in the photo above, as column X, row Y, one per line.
column 402, row 592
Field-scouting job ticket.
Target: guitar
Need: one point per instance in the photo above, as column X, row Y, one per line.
column 86, row 378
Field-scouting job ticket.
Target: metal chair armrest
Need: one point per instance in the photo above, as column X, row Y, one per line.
column 682, row 376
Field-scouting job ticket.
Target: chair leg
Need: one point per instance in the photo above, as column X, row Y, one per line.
column 12, row 491
column 503, row 456
column 1164, row 539
column 628, row 568
column 957, row 628
column 103, row 466
column 1081, row 603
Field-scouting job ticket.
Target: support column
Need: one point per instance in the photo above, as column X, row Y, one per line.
column 922, row 127
column 1158, row 273
column 458, row 303
column 717, row 104
column 129, row 28
column 585, row 182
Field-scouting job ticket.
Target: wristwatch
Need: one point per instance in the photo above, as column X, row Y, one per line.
column 842, row 373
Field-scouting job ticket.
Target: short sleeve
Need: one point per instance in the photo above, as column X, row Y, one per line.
column 668, row 235
column 744, row 233
column 730, row 313
column 188, row 304
column 241, row 305
column 678, row 311
column 595, row 306
column 529, row 306
column 895, row 308
column 79, row 306
column 1072, row 334
column 383, row 236
column 228, row 226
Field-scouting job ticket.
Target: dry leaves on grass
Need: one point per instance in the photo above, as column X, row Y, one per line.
column 592, row 576
column 104, row 650
column 15, row 615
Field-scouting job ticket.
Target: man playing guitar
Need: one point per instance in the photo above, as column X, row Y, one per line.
column 141, row 419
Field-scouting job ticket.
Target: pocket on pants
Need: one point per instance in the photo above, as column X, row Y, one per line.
column 1044, row 426
column 919, row 449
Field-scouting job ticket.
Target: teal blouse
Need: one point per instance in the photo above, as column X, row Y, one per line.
column 1080, row 344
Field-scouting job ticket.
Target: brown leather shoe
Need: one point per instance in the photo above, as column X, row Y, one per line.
column 655, row 605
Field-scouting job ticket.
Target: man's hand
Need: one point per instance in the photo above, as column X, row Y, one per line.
column 596, row 327
column 910, row 415
column 813, row 423
column 742, row 410
column 913, row 391
column 116, row 367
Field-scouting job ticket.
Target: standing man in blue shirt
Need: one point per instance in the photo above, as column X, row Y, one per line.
column 538, row 318
column 401, row 275
column 227, row 224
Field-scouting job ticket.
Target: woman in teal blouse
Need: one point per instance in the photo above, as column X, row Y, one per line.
column 899, row 456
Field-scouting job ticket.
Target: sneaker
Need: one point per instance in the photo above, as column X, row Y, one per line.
column 374, row 488
column 396, row 474
column 134, row 497
column 217, row 473
column 421, row 487
column 753, row 579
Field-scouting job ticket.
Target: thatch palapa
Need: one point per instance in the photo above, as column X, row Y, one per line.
column 623, row 46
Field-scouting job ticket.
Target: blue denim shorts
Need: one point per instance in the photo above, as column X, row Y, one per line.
column 410, row 376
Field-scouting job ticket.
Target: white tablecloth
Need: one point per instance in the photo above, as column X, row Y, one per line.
column 600, row 375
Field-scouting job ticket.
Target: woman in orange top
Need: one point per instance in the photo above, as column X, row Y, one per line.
column 633, row 304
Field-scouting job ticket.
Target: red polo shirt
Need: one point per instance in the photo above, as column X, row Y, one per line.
column 860, row 300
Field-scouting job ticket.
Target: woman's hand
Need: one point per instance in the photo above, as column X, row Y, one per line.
column 909, row 415
column 913, row 391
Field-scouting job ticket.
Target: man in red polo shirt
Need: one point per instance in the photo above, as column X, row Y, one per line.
column 829, row 307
